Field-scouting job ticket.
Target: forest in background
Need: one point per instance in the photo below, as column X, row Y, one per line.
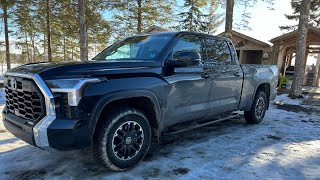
column 68, row 30
column 35, row 24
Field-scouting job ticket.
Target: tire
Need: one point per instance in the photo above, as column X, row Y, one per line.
column 258, row 108
column 122, row 140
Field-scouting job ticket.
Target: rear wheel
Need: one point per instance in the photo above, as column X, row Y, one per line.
column 258, row 108
column 123, row 139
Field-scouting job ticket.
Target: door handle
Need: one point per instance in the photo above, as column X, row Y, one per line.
column 237, row 74
column 205, row 75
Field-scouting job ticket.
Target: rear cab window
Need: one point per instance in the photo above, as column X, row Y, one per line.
column 216, row 52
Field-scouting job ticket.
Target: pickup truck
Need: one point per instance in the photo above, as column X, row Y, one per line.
column 134, row 92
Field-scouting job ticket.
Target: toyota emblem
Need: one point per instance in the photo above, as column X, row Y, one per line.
column 13, row 83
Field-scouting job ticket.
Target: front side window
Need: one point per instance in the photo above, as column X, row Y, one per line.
column 145, row 47
column 188, row 44
column 217, row 52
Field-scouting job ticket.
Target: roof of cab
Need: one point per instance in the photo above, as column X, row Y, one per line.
column 183, row 32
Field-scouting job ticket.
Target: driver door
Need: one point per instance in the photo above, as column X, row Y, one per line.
column 188, row 88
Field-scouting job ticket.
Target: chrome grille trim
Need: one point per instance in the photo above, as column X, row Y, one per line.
column 40, row 129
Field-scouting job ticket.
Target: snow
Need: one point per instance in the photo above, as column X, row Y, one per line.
column 285, row 145
column 3, row 67
column 284, row 99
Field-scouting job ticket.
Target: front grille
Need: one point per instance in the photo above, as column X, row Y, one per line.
column 24, row 99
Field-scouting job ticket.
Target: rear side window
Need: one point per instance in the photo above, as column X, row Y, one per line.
column 216, row 52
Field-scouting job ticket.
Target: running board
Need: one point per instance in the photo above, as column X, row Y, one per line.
column 196, row 125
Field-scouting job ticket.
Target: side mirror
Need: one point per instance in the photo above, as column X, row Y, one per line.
column 185, row 59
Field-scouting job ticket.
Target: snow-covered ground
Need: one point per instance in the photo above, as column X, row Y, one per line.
column 286, row 145
column 3, row 67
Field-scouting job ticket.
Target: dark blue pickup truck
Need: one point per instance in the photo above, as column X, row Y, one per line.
column 132, row 93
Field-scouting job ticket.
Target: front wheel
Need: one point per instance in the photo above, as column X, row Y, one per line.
column 258, row 108
column 122, row 140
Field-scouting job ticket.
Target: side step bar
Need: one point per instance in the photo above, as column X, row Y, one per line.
column 196, row 125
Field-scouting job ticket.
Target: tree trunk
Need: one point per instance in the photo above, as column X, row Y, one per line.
column 83, row 34
column 139, row 17
column 229, row 18
column 72, row 53
column 44, row 45
column 191, row 16
column 33, row 48
column 64, row 48
column 6, row 32
column 318, row 76
column 299, row 68
column 191, row 19
column 48, row 30
column 27, row 47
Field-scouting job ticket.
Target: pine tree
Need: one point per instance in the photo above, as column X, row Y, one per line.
column 25, row 23
column 5, row 6
column 199, row 16
column 83, row 31
column 314, row 19
column 296, row 88
column 30, row 20
column 229, row 18
column 134, row 16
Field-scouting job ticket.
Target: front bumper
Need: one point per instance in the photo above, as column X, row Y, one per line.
column 63, row 134
column 50, row 131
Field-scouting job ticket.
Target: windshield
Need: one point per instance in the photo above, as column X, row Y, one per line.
column 145, row 47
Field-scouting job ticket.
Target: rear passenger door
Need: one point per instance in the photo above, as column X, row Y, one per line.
column 226, row 75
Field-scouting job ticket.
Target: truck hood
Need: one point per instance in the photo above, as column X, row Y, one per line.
column 58, row 70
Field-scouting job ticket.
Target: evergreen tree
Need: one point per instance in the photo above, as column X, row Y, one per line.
column 314, row 19
column 299, row 68
column 25, row 23
column 134, row 16
column 5, row 6
column 83, row 31
column 30, row 20
column 229, row 18
column 199, row 16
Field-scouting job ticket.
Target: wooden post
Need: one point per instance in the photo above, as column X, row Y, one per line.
column 281, row 59
column 241, row 56
column 275, row 54
column 290, row 59
column 305, row 78
column 317, row 84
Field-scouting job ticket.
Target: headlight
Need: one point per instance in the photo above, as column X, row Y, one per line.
column 73, row 87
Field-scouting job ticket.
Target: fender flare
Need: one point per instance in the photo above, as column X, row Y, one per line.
column 255, row 91
column 110, row 97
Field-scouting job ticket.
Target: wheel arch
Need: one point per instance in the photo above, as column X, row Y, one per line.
column 143, row 100
column 264, row 87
